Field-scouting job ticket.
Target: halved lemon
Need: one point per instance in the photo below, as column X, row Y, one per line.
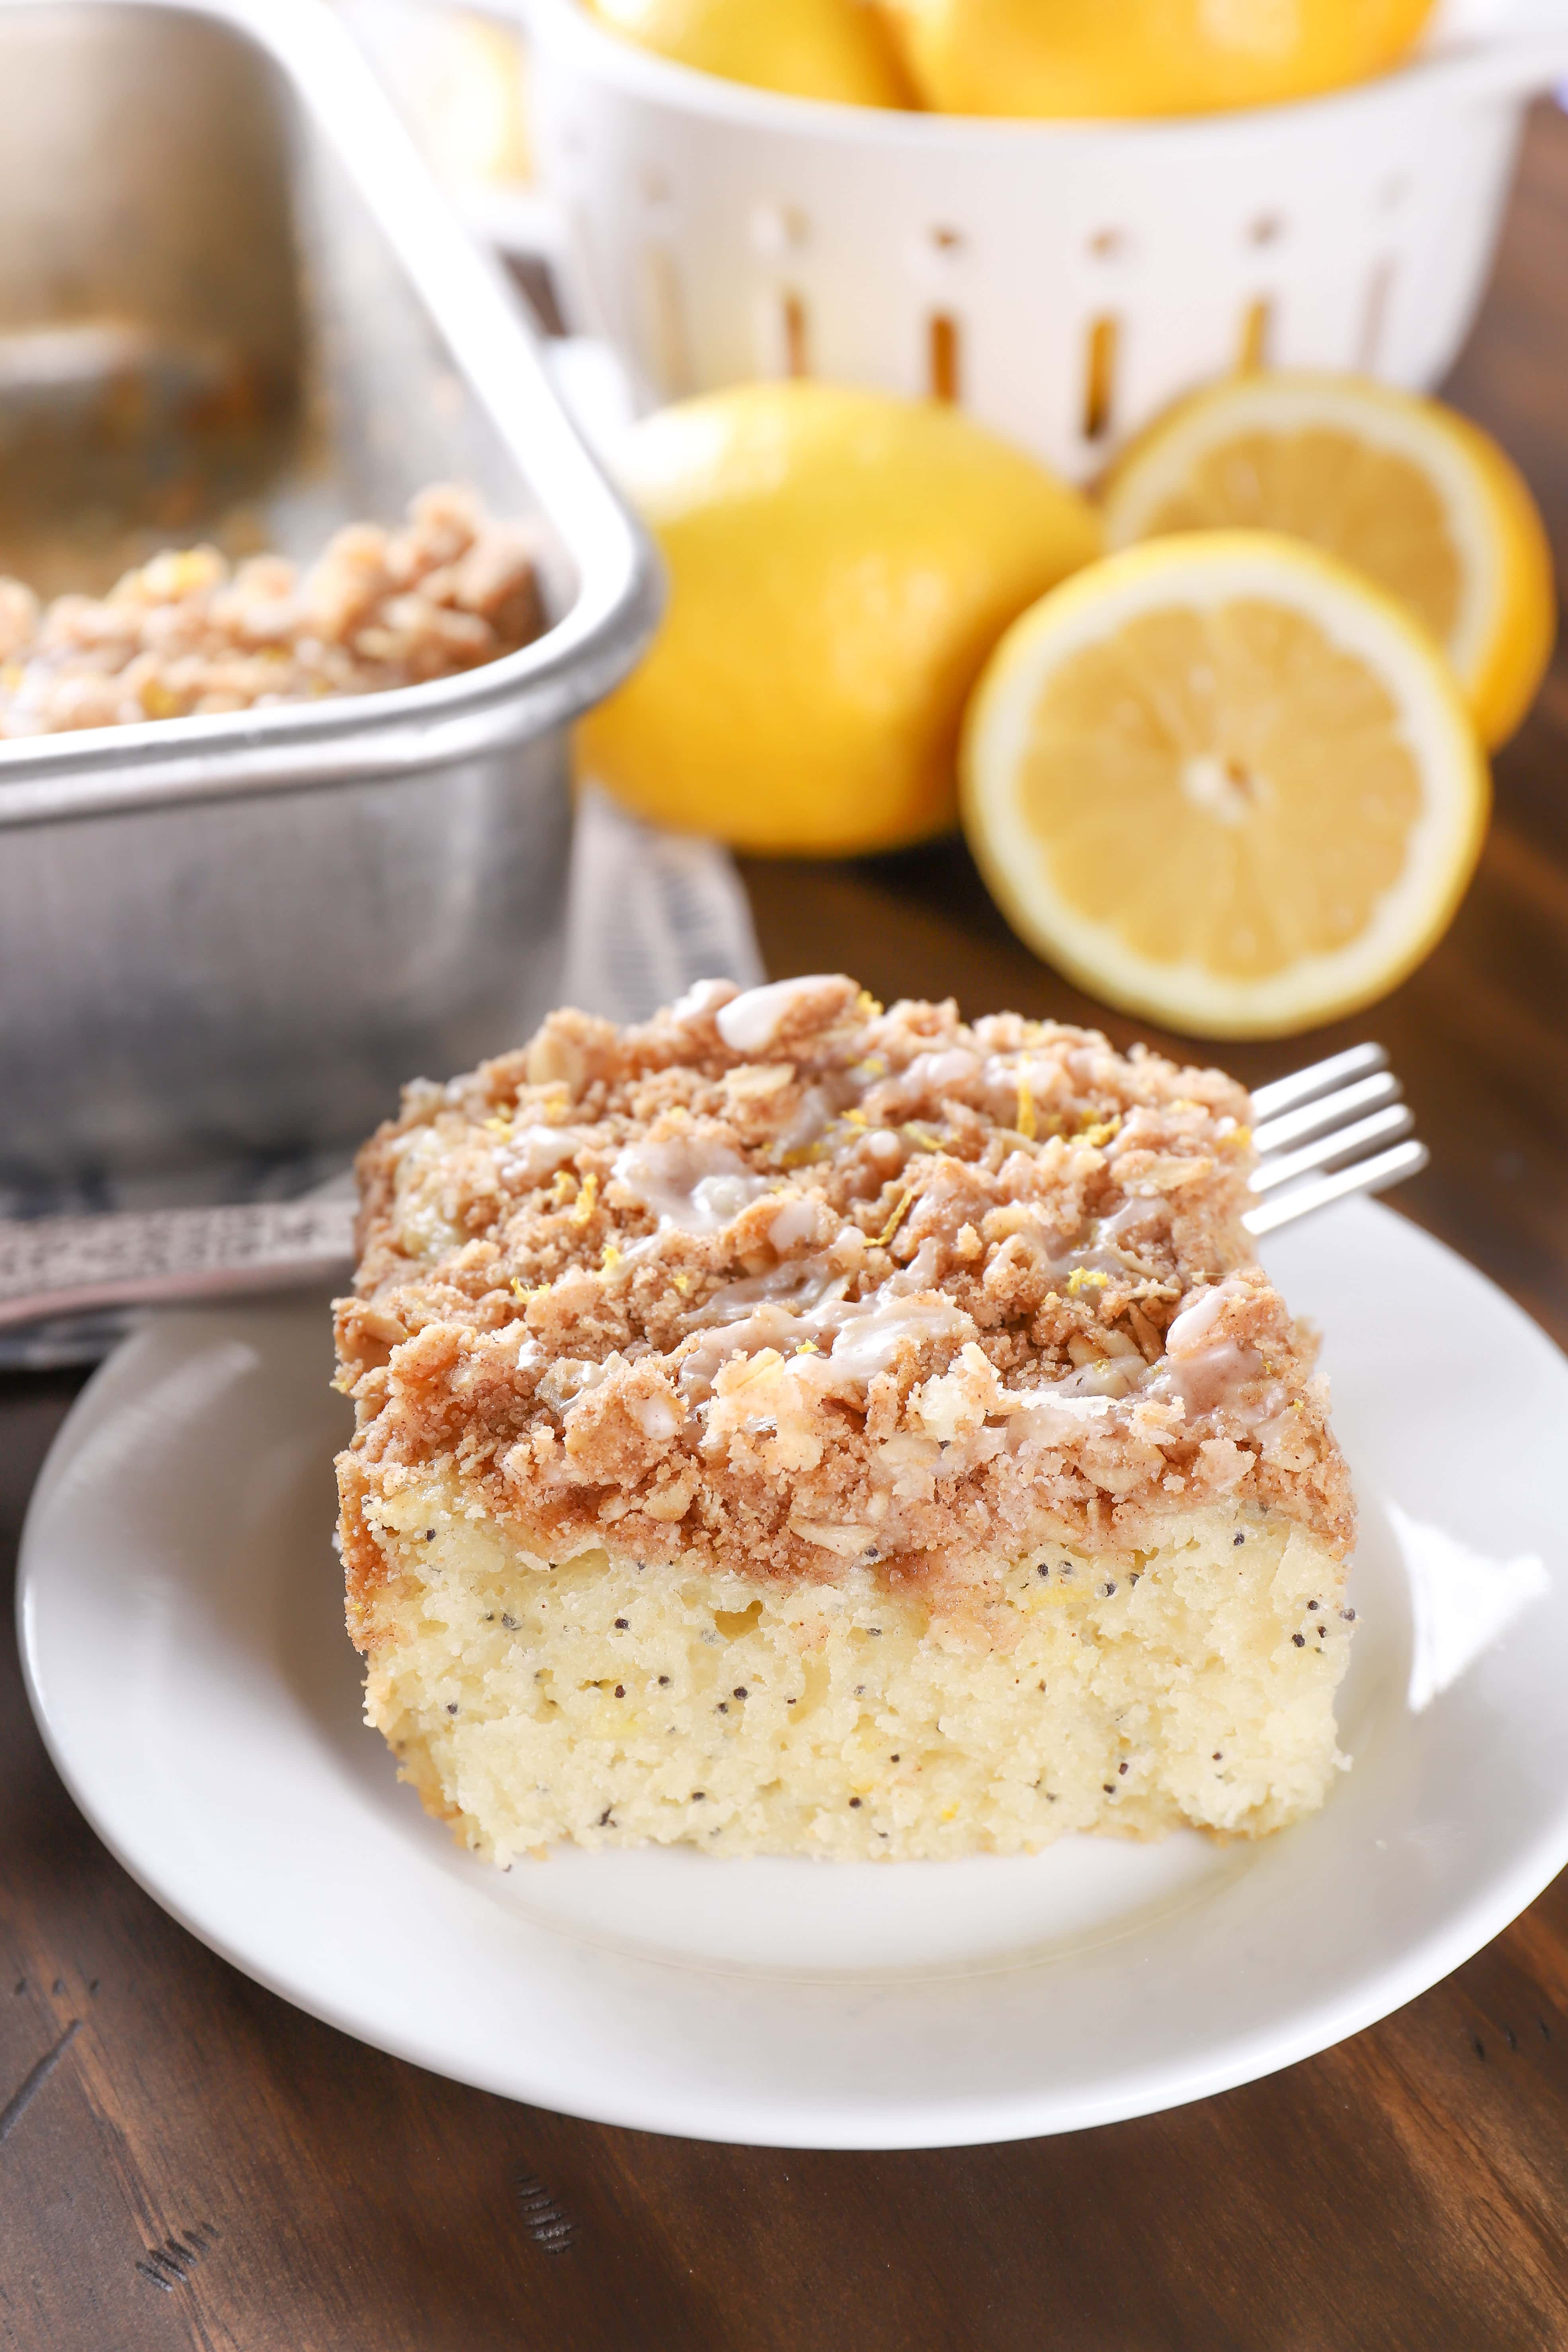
column 1223, row 781
column 1418, row 497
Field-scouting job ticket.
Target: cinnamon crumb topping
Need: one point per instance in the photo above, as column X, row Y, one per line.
column 782, row 1281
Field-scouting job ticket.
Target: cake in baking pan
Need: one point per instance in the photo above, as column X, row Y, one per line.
column 790, row 1426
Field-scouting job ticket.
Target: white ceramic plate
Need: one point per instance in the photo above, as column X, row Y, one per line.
column 181, row 1629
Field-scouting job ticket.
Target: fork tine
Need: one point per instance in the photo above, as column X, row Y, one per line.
column 1334, row 1110
column 1316, row 1078
column 1366, row 1176
column 1383, row 1127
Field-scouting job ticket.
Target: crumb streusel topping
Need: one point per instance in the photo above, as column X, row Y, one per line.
column 183, row 636
column 781, row 1281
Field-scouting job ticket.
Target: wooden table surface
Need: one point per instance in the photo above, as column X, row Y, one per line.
column 186, row 2160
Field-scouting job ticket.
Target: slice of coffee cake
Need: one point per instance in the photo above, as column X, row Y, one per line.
column 795, row 1427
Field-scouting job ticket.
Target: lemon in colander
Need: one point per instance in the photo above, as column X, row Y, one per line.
column 1144, row 57
column 814, row 48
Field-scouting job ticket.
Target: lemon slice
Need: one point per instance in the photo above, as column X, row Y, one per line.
column 1418, row 498
column 1222, row 781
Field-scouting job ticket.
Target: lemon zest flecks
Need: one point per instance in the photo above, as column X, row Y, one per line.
column 585, row 1199
column 565, row 1189
column 1237, row 1140
column 1083, row 1277
column 1025, row 1122
column 682, row 1283
column 611, row 1258
column 895, row 1220
column 1101, row 1131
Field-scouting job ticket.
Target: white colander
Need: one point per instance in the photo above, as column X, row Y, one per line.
column 1063, row 280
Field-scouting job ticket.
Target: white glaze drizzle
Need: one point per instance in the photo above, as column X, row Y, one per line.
column 801, row 1306
column 1217, row 1374
column 529, row 1154
column 795, row 1221
column 692, row 1185
column 701, row 999
column 752, row 1022
column 928, row 1077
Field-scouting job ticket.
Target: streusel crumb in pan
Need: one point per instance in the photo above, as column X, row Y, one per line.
column 185, row 637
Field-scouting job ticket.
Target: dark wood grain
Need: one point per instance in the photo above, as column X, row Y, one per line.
column 202, row 2165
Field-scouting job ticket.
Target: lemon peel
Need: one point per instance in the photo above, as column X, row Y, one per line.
column 840, row 564
column 833, row 49
column 1143, row 56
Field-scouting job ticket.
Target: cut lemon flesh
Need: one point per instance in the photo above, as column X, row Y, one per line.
column 1223, row 781
column 1415, row 497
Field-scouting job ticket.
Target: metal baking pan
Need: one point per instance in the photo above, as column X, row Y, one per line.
column 234, row 306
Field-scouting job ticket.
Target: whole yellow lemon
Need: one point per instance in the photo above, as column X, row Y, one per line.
column 815, row 48
column 841, row 563
column 1143, row 56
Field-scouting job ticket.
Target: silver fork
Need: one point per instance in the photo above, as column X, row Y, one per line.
column 1329, row 1129
column 1323, row 1132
